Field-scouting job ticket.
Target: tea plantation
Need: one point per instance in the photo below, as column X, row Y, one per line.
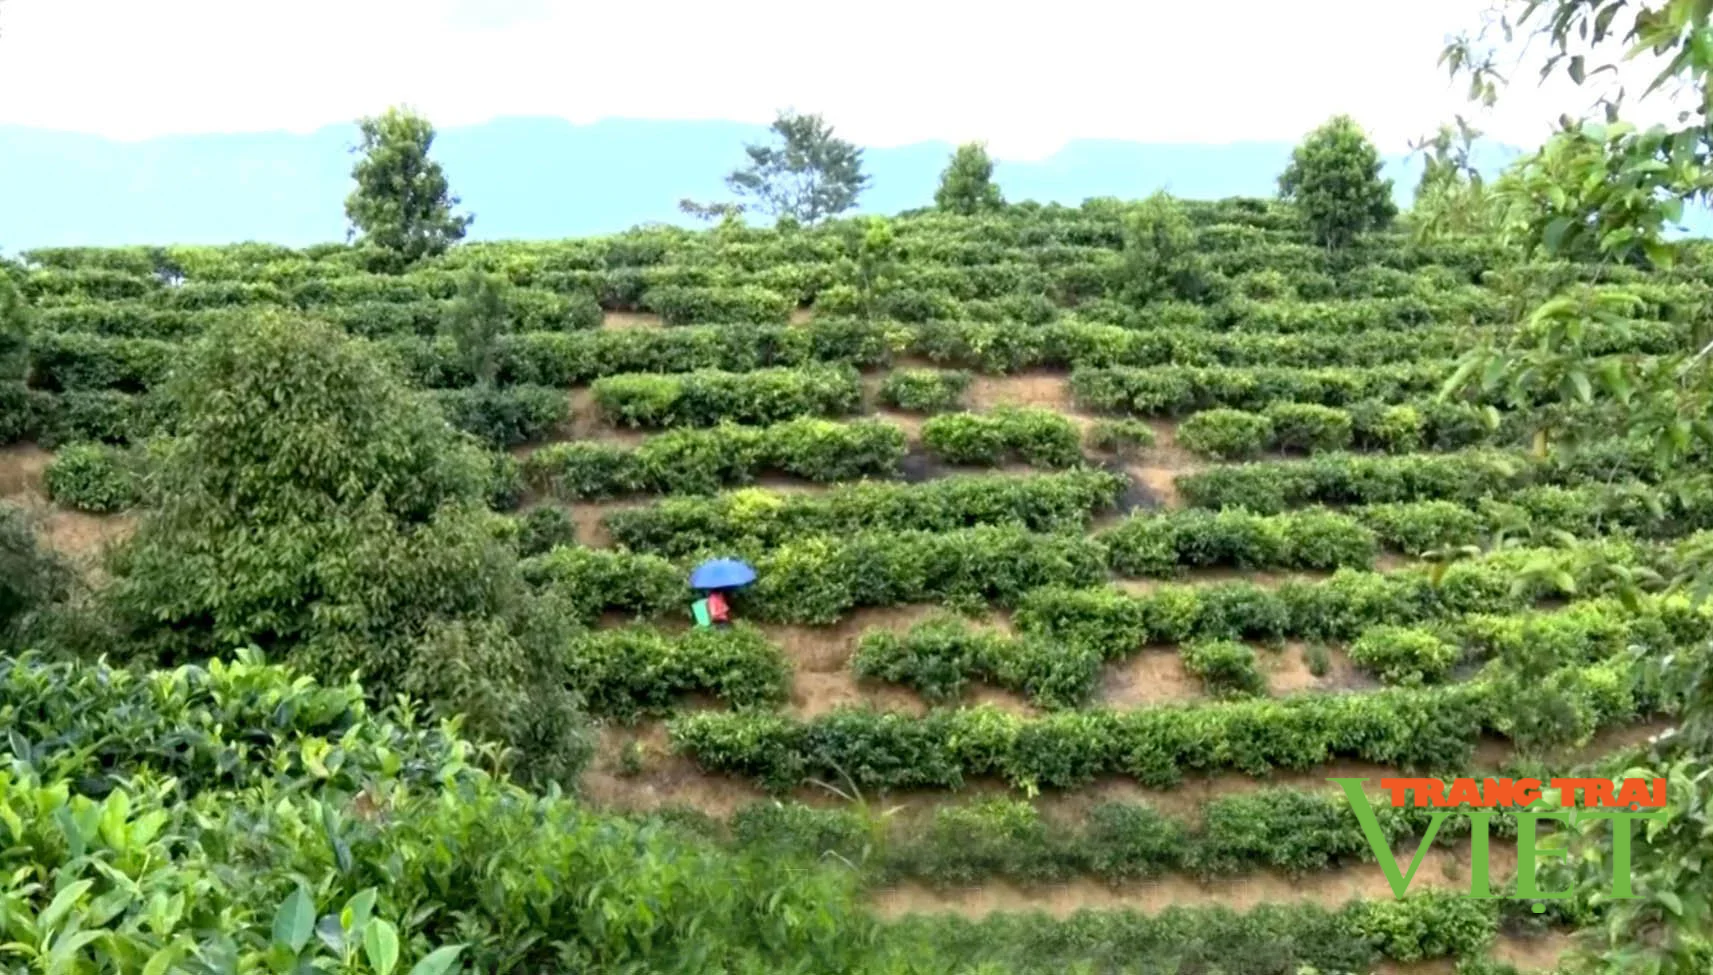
column 1070, row 598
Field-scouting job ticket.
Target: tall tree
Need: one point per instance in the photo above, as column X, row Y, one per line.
column 966, row 185
column 313, row 506
column 1334, row 179
column 807, row 175
column 476, row 320
column 1161, row 262
column 402, row 205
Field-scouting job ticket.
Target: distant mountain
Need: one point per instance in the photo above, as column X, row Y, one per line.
column 528, row 178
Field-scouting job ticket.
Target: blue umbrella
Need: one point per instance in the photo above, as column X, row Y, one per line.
column 721, row 574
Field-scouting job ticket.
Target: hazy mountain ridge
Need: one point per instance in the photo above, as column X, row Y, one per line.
column 531, row 178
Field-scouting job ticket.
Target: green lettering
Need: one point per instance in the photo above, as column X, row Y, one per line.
column 1478, row 880
column 1621, row 889
column 1526, row 853
column 1377, row 839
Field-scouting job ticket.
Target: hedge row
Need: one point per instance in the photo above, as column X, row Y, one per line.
column 1165, row 543
column 1294, row 831
column 634, row 671
column 102, row 415
column 818, row 579
column 138, row 358
column 1178, row 390
column 924, row 390
column 1465, row 477
column 709, row 397
column 1116, row 624
column 1409, row 728
column 1374, row 425
column 1271, row 939
column 704, row 461
column 1059, row 665
column 1040, row 503
column 1663, row 511
column 1030, row 434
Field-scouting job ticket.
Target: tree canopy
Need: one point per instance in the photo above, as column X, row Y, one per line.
column 807, row 174
column 966, row 185
column 402, row 205
column 314, row 507
column 1334, row 178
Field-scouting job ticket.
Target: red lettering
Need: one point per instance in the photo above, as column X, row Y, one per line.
column 1600, row 793
column 1526, row 792
column 1657, row 798
column 1633, row 793
column 1568, row 788
column 1462, row 793
column 1425, row 790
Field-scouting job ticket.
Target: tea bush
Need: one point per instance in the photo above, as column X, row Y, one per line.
column 1033, row 435
column 924, row 390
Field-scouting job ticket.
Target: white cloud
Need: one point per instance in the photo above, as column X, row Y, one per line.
column 886, row 72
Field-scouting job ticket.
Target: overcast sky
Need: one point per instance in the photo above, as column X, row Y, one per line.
column 884, row 72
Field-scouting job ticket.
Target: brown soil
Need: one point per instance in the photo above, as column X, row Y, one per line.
column 815, row 693
column 664, row 779
column 587, row 423
column 1051, row 390
column 82, row 536
column 825, row 649
column 802, row 316
column 21, row 469
column 630, row 319
column 1287, row 671
column 587, row 515
column 1164, row 462
column 1153, row 676
column 1441, row 869
column 1538, row 953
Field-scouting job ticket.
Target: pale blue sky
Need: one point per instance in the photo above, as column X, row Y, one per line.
column 886, row 72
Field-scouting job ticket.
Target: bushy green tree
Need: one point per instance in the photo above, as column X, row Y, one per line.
column 806, row 176
column 1603, row 190
column 1334, row 179
column 1160, row 258
column 476, row 320
column 314, row 507
column 32, row 578
column 402, row 205
column 14, row 330
column 966, row 185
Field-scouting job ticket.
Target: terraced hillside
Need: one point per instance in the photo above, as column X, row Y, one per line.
column 1068, row 604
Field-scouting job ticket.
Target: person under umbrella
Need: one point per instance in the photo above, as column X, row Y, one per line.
column 715, row 577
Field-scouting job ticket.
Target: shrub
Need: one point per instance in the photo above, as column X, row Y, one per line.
column 1063, row 501
column 1125, row 437
column 1404, row 655
column 504, row 416
column 708, row 397
column 94, row 477
column 1034, row 435
column 924, row 390
column 635, row 671
column 704, row 461
column 683, row 305
column 1226, row 667
column 545, row 528
column 1225, row 434
column 1309, row 427
column 1164, row 543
